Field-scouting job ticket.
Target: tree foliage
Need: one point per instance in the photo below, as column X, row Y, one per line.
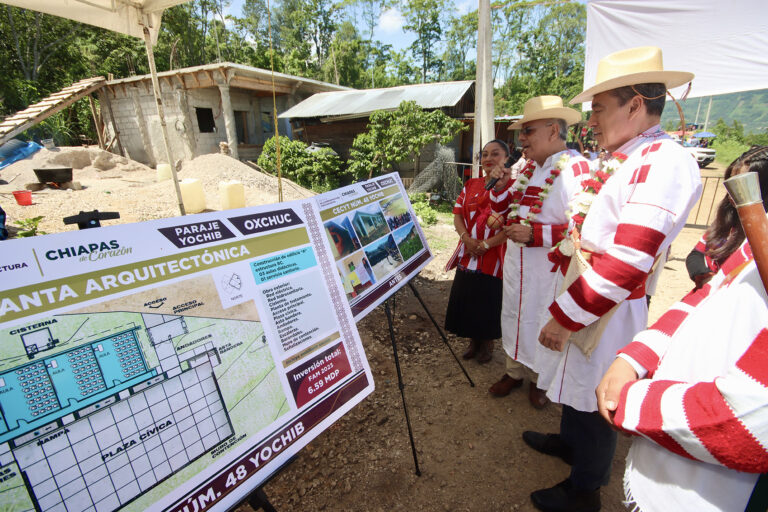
column 319, row 170
column 393, row 136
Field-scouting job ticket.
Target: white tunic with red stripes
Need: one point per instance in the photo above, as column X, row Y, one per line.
column 529, row 284
column 636, row 215
column 702, row 410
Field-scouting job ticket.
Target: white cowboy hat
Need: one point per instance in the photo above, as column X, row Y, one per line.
column 642, row 65
column 546, row 107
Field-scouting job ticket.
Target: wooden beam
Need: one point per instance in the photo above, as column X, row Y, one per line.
column 258, row 85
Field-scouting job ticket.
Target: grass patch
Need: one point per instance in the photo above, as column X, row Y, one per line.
column 728, row 150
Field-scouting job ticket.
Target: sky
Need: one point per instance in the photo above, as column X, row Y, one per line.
column 390, row 27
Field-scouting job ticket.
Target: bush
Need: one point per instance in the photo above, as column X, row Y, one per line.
column 320, row 170
column 427, row 215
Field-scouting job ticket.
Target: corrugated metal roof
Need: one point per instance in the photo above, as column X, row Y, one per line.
column 363, row 102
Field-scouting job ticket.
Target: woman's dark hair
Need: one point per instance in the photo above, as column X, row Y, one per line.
column 501, row 143
column 725, row 234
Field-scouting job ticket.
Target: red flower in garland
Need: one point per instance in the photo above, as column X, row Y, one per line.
column 578, row 219
column 538, row 202
column 555, row 172
column 619, row 156
column 549, row 180
column 535, row 209
column 602, row 176
column 592, row 184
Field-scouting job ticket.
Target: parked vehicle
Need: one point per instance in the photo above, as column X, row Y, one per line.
column 703, row 156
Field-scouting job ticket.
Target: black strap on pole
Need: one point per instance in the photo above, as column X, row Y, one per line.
column 400, row 383
column 442, row 335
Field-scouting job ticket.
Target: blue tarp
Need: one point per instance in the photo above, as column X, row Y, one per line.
column 21, row 152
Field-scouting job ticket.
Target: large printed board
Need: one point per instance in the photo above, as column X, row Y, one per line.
column 375, row 239
column 170, row 365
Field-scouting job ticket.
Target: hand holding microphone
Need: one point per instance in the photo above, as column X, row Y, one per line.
column 498, row 173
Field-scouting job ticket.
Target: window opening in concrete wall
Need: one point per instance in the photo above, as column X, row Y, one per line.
column 205, row 121
column 267, row 126
column 241, row 126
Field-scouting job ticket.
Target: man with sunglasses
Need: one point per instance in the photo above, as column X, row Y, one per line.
column 537, row 202
column 632, row 220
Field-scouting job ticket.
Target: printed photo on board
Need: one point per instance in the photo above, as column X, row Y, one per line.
column 395, row 211
column 383, row 256
column 369, row 223
column 343, row 239
column 356, row 274
column 408, row 241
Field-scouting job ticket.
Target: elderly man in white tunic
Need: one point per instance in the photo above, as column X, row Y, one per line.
column 536, row 203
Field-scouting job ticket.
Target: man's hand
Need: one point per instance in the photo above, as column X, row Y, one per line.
column 553, row 335
column 519, row 233
column 608, row 391
column 502, row 173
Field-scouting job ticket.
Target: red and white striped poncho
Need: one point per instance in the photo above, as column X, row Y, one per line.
column 702, row 406
column 636, row 215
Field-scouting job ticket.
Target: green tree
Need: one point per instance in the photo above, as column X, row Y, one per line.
column 423, row 19
column 461, row 37
column 393, row 136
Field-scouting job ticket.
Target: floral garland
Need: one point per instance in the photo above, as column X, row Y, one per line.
column 522, row 183
column 581, row 203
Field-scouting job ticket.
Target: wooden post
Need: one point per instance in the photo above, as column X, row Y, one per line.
column 104, row 98
column 96, row 122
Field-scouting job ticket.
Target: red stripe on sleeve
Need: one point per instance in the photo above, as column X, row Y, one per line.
column 588, row 299
column 538, row 235
column 646, row 357
column 563, row 319
column 618, row 272
column 753, row 361
column 669, row 322
column 640, row 238
column 558, row 233
column 712, row 420
column 651, row 421
column 695, row 297
column 737, row 258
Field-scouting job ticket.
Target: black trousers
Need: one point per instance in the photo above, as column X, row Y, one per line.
column 593, row 443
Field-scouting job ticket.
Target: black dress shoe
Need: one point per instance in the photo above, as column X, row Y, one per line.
column 549, row 444
column 564, row 498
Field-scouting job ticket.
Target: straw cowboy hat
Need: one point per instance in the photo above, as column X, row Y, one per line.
column 546, row 107
column 642, row 65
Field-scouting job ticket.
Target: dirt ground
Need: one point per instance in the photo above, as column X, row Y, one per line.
column 468, row 443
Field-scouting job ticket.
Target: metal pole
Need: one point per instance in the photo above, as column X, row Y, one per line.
column 706, row 122
column 161, row 115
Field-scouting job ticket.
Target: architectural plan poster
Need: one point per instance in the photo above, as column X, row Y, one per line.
column 375, row 239
column 170, row 365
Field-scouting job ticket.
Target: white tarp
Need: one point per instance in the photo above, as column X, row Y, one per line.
column 126, row 17
column 724, row 43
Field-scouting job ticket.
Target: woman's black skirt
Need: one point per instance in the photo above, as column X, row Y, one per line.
column 474, row 307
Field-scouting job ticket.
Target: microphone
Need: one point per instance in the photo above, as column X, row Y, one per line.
column 492, row 183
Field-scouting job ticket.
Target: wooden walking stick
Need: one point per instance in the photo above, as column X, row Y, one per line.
column 744, row 189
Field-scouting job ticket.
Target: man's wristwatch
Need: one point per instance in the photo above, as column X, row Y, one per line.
column 486, row 245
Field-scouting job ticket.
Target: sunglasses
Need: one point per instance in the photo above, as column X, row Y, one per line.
column 530, row 129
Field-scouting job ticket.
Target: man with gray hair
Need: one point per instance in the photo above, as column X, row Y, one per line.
column 536, row 204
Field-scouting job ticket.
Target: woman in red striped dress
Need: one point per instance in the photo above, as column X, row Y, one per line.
column 474, row 306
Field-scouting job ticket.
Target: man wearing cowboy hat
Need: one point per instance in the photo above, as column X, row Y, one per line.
column 538, row 200
column 634, row 218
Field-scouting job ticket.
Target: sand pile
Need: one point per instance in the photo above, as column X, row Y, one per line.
column 114, row 183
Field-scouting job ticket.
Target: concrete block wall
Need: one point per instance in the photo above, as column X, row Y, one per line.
column 127, row 120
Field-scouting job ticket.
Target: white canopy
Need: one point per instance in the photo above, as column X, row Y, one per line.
column 725, row 44
column 124, row 16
